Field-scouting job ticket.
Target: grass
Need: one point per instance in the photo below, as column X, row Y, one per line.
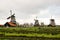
column 49, row 32
column 33, row 35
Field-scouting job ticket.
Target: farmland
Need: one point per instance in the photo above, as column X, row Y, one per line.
column 30, row 33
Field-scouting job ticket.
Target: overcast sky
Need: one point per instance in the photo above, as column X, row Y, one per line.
column 27, row 10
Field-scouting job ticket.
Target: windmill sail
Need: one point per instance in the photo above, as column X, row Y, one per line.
column 8, row 17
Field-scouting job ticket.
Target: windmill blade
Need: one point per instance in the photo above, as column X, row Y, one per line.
column 11, row 12
column 14, row 14
column 8, row 17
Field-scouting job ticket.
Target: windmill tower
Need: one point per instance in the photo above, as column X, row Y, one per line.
column 12, row 17
column 36, row 22
column 52, row 22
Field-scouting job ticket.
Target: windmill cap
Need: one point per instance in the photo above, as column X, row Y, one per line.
column 52, row 19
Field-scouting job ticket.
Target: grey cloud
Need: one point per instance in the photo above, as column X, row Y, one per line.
column 25, row 8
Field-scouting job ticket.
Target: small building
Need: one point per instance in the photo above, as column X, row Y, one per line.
column 42, row 24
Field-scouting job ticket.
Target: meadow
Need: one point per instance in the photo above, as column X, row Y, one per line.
column 30, row 33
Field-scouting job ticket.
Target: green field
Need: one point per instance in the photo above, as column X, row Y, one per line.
column 40, row 33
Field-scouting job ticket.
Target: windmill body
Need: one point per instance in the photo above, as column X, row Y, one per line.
column 52, row 22
column 12, row 17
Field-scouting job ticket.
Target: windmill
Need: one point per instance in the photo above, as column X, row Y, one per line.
column 36, row 22
column 52, row 22
column 12, row 21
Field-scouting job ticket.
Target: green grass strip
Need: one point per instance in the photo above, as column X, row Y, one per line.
column 33, row 35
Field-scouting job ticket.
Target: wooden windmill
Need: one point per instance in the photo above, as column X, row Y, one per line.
column 12, row 21
column 36, row 22
column 52, row 22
